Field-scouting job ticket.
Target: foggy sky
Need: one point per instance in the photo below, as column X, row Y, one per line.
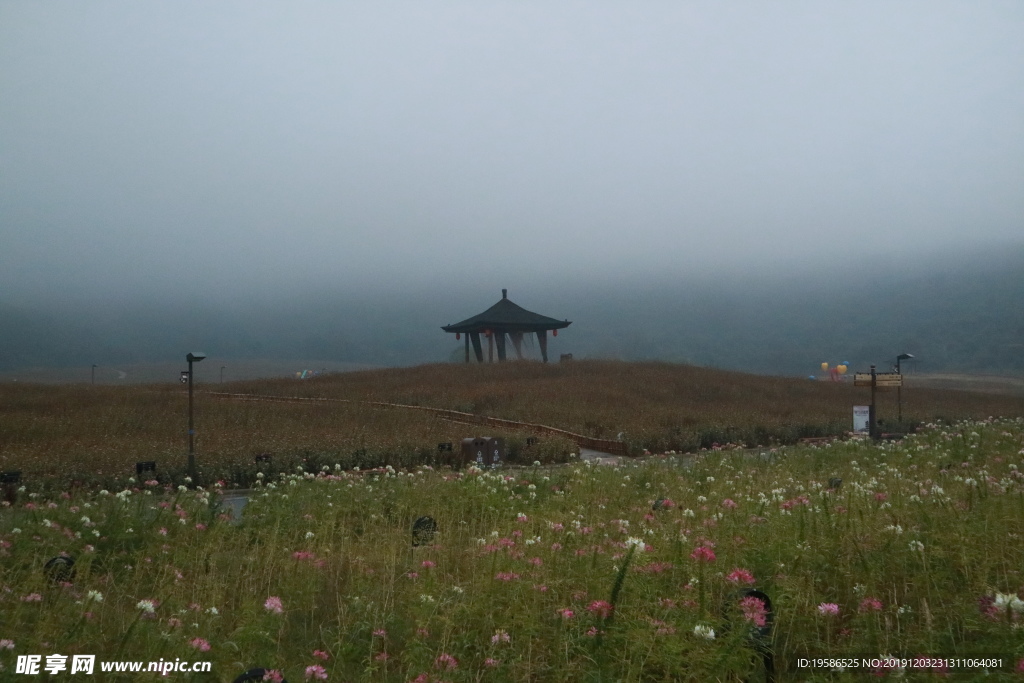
column 246, row 148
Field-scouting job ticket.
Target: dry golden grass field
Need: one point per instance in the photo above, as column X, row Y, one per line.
column 89, row 433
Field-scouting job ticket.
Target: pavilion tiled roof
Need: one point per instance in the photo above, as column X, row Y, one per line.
column 508, row 317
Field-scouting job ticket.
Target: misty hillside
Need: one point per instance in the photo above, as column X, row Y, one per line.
column 953, row 319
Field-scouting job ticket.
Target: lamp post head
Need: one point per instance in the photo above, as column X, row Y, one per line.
column 195, row 356
column 905, row 356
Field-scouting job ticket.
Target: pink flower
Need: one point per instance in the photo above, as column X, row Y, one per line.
column 522, row 518
column 413, row 575
column 880, row 496
column 320, row 654
column 753, row 610
column 32, row 597
column 1020, row 666
column 201, row 527
column 870, row 605
column 380, row 633
column 500, row 637
column 423, row 633
column 828, row 609
column 703, row 554
column 200, row 644
column 6, row 644
column 601, row 608
column 273, row 604
column 491, row 662
column 381, row 657
column 506, row 576
column 446, row 661
column 427, row 564
column 163, row 531
column 556, row 546
column 316, row 671
column 173, row 622
column 740, row 576
column 729, row 504
column 536, row 561
column 274, row 676
column 566, row 613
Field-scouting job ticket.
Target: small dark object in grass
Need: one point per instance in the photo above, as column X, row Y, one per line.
column 423, row 531
column 834, row 483
column 658, row 504
column 444, row 447
column 262, row 457
column 148, row 466
column 256, row 674
column 60, row 569
column 531, row 441
column 10, row 477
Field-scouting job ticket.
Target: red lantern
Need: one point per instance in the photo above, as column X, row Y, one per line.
column 554, row 332
column 458, row 336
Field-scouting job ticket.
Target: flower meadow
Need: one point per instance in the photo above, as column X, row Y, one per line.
column 646, row 571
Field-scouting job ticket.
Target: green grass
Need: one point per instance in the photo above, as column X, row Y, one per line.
column 928, row 530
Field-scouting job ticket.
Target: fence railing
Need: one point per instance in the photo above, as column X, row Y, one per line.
column 602, row 445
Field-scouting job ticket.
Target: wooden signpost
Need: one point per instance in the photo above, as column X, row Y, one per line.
column 877, row 380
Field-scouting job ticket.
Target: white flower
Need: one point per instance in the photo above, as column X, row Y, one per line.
column 212, row 610
column 916, row 546
column 310, row 534
column 15, row 530
column 636, row 543
column 147, row 606
column 1009, row 601
column 704, row 631
column 94, row 596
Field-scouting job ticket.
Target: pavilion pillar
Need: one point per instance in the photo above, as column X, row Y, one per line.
column 542, row 341
column 490, row 347
column 477, row 350
column 517, row 343
column 467, row 347
column 500, row 342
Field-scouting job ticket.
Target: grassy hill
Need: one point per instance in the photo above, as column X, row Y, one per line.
column 93, row 432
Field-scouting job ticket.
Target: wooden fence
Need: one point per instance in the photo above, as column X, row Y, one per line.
column 602, row 445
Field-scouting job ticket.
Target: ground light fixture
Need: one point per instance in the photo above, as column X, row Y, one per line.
column 193, row 357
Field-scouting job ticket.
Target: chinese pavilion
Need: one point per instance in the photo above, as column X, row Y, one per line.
column 501, row 319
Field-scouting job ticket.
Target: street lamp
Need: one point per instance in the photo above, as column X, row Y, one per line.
column 94, row 373
column 899, row 390
column 192, row 358
column 222, row 373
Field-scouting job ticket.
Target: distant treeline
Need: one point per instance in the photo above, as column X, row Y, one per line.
column 966, row 319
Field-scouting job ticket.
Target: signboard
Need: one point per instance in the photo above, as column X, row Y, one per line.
column 861, row 416
column 882, row 379
column 888, row 379
column 184, row 377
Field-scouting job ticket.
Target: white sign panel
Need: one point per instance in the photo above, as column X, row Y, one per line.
column 861, row 416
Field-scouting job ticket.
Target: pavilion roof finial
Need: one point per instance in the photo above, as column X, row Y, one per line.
column 504, row 293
